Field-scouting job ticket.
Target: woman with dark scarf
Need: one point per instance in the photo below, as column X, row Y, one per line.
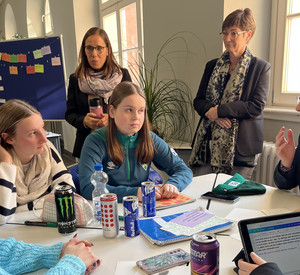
column 230, row 101
column 97, row 74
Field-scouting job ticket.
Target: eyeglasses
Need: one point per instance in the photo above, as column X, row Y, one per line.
column 232, row 35
column 99, row 49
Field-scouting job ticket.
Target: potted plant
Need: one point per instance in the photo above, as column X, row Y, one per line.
column 169, row 101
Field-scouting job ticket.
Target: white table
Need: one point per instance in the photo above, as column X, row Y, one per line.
column 132, row 249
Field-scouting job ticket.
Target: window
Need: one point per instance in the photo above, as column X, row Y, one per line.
column 122, row 22
column 10, row 23
column 286, row 55
column 47, row 19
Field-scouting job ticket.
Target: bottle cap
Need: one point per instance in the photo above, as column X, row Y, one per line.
column 94, row 102
column 98, row 167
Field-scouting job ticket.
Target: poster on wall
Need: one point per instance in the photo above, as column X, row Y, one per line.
column 33, row 70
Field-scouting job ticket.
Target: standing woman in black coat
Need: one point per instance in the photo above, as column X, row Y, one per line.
column 97, row 74
column 230, row 101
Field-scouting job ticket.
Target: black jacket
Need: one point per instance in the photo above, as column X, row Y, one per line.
column 290, row 179
column 78, row 107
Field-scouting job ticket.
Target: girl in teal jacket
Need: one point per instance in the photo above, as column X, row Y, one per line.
column 126, row 148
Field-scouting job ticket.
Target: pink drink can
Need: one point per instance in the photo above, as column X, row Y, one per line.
column 109, row 212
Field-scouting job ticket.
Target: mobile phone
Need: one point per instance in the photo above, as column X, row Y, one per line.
column 164, row 261
column 224, row 198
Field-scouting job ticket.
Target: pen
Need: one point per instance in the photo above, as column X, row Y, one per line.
column 36, row 223
column 54, row 224
column 208, row 202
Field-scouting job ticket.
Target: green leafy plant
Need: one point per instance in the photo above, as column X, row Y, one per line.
column 169, row 101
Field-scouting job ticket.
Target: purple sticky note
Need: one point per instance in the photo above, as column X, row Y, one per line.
column 192, row 218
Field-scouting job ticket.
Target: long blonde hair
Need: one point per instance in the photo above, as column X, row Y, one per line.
column 11, row 113
column 145, row 148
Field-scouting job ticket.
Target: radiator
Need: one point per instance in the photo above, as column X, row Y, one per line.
column 267, row 162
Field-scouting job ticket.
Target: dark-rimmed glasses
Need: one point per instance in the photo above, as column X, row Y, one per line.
column 90, row 49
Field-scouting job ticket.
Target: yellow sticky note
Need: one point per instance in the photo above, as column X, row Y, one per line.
column 37, row 54
column 13, row 69
column 39, row 68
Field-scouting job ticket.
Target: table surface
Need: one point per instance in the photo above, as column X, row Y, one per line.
column 125, row 248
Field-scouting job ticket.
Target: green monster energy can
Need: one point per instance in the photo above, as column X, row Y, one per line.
column 65, row 210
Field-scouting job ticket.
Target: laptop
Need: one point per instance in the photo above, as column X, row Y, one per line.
column 274, row 238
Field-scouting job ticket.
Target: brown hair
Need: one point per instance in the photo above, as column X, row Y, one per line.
column 11, row 113
column 145, row 149
column 244, row 19
column 110, row 66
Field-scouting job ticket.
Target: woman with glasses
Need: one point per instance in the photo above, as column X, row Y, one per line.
column 97, row 74
column 230, row 101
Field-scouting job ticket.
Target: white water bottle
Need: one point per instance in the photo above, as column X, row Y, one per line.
column 99, row 179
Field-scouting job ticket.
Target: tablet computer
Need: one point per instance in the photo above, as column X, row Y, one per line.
column 274, row 238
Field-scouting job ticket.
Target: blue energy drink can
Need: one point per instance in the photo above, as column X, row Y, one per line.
column 131, row 216
column 65, row 209
column 148, row 199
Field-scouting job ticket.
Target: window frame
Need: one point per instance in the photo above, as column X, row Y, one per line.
column 112, row 6
column 279, row 29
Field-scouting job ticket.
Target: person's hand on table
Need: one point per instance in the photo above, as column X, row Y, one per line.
column 168, row 191
column 285, row 149
column 246, row 268
column 82, row 250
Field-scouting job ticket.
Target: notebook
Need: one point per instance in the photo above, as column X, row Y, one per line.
column 162, row 230
column 179, row 200
column 274, row 238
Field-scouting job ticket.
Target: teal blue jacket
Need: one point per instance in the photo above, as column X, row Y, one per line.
column 17, row 257
column 125, row 179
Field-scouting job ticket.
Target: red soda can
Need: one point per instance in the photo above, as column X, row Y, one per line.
column 204, row 254
column 109, row 212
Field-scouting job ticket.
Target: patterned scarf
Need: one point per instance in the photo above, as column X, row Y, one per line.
column 213, row 143
column 35, row 182
column 94, row 84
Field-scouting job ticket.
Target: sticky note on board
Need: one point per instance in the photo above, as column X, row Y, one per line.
column 55, row 61
column 1, row 88
column 22, row 58
column 46, row 50
column 5, row 57
column 0, row 77
column 13, row 58
column 37, row 54
column 39, row 68
column 0, row 55
column 30, row 70
column 13, row 69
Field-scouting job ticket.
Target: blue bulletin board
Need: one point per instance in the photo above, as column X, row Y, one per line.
column 33, row 70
